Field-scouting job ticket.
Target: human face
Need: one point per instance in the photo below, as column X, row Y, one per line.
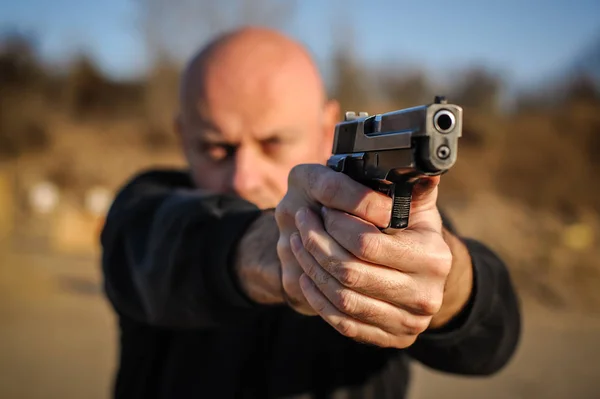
column 248, row 147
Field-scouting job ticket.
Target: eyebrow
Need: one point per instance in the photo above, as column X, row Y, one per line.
column 209, row 132
column 209, row 125
column 212, row 134
column 213, row 139
column 284, row 133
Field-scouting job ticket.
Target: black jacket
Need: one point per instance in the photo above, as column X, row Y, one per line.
column 188, row 332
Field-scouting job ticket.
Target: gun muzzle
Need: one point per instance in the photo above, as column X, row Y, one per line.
column 444, row 121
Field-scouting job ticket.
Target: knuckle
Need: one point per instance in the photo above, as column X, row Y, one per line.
column 439, row 265
column 310, row 270
column 330, row 223
column 367, row 207
column 284, row 216
column 428, row 305
column 284, row 251
column 439, row 258
column 415, row 325
column 347, row 275
column 329, row 188
column 296, row 174
column 375, row 208
column 311, row 243
column 346, row 301
column 346, row 327
column 320, row 278
column 305, row 176
column 367, row 245
column 312, row 177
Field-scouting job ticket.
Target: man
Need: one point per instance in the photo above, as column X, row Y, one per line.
column 261, row 273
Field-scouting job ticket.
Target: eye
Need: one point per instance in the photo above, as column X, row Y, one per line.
column 217, row 152
column 272, row 144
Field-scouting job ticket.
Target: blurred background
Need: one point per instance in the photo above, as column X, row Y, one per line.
column 88, row 90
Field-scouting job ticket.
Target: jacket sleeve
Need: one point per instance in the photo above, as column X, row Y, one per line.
column 167, row 251
column 482, row 339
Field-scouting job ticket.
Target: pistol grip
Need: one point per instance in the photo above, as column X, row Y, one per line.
column 401, row 197
column 401, row 194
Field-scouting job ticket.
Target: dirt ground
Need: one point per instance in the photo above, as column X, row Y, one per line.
column 58, row 340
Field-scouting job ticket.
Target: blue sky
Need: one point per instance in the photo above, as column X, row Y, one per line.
column 525, row 40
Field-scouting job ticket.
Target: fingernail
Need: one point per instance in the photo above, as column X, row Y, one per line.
column 295, row 242
column 301, row 216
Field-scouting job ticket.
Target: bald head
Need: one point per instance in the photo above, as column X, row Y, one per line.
column 253, row 106
column 248, row 61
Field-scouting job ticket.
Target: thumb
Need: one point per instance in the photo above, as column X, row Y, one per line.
column 425, row 191
column 424, row 214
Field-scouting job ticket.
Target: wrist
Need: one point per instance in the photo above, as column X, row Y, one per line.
column 256, row 264
column 459, row 283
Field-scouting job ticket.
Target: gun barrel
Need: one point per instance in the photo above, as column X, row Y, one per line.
column 444, row 121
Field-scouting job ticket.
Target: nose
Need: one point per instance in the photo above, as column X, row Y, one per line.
column 248, row 173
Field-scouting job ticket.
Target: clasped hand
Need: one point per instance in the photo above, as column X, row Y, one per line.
column 374, row 287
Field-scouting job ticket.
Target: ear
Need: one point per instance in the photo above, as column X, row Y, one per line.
column 331, row 118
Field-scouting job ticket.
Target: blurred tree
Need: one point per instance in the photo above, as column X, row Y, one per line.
column 582, row 88
column 19, row 135
column 349, row 85
column 160, row 103
column 173, row 30
column 588, row 63
column 350, row 79
column 22, row 106
column 88, row 93
column 532, row 100
column 19, row 63
column 479, row 89
column 85, row 88
column 406, row 89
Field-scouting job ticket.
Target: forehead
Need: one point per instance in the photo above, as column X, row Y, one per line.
column 260, row 95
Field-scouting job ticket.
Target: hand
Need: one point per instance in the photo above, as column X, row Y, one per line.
column 256, row 263
column 310, row 186
column 373, row 287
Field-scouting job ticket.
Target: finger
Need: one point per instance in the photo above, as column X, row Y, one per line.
column 339, row 191
column 347, row 325
column 410, row 251
column 290, row 276
column 369, row 310
column 383, row 283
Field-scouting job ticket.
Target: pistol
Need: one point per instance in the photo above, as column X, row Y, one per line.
column 390, row 152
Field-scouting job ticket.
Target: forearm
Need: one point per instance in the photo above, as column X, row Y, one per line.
column 257, row 267
column 166, row 257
